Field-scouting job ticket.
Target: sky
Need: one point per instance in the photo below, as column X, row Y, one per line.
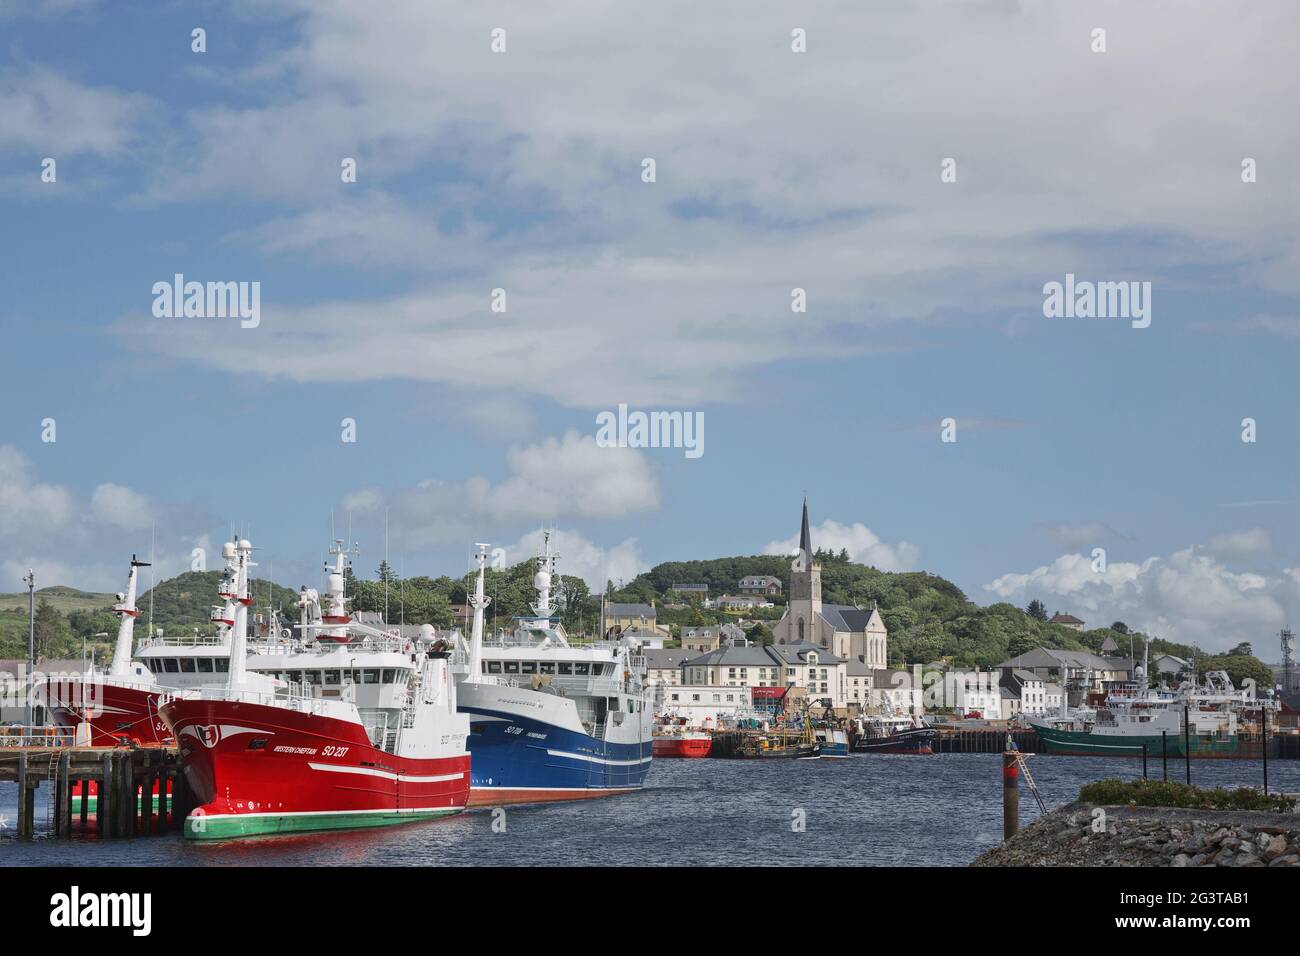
column 921, row 171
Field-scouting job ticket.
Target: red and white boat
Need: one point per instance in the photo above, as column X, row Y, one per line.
column 353, row 728
column 117, row 706
column 672, row 738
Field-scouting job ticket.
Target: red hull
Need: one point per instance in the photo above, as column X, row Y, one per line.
column 681, row 747
column 503, row 796
column 115, row 713
column 256, row 768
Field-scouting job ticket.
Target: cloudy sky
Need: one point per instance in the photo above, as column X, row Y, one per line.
column 522, row 170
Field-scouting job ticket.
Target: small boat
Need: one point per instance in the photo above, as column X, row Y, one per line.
column 672, row 738
column 889, row 734
column 832, row 741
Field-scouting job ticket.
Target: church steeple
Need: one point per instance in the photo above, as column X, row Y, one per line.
column 805, row 539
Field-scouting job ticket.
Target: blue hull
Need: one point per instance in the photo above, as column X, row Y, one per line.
column 515, row 759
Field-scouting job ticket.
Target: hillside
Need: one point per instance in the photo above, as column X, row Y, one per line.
column 63, row 599
column 928, row 617
column 185, row 602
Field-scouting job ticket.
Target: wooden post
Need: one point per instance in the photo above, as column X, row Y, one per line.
column 85, row 801
column 1263, row 710
column 1164, row 755
column 63, row 797
column 104, row 803
column 1144, row 761
column 1010, row 795
column 25, row 808
column 1187, row 744
column 123, row 795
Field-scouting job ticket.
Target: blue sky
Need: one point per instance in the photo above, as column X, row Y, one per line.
column 775, row 170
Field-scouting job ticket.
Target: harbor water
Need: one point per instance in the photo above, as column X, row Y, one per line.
column 869, row 809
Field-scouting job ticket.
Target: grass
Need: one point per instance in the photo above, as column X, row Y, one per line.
column 64, row 599
column 1159, row 793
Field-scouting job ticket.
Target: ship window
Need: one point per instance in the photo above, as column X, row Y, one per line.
column 187, row 665
column 613, row 703
column 149, row 663
column 295, row 676
column 546, row 667
column 170, row 665
column 581, row 670
column 528, row 667
column 566, row 668
column 370, row 676
column 510, row 667
column 332, row 677
column 492, row 667
column 223, row 664
column 311, row 677
column 205, row 665
column 389, row 675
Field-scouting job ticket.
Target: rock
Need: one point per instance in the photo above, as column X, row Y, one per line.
column 1272, row 846
column 1182, row 859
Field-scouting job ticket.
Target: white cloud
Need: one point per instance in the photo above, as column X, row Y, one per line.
column 1250, row 541
column 1083, row 534
column 26, row 504
column 583, row 558
column 1189, row 596
column 749, row 202
column 863, row 544
column 121, row 507
column 51, row 115
column 566, row 478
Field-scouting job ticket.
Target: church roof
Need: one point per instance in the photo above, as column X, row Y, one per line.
column 805, row 539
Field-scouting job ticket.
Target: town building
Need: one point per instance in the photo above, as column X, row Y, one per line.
column 1169, row 667
column 622, row 617
column 664, row 666
column 701, row 640
column 1028, row 689
column 1069, row 620
column 1079, row 672
column 846, row 631
column 702, row 705
column 759, row 584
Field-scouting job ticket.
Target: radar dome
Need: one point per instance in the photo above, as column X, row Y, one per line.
column 542, row 579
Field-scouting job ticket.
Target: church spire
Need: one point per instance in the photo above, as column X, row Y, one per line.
column 805, row 539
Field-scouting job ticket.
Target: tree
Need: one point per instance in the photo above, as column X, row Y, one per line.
column 1036, row 610
column 1242, row 650
column 1119, row 627
column 53, row 636
column 760, row 633
column 385, row 574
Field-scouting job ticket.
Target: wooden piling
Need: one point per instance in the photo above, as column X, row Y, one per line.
column 1010, row 794
column 84, row 783
column 104, row 804
column 63, row 797
column 25, row 806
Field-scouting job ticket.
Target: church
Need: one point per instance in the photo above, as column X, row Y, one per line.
column 851, row 633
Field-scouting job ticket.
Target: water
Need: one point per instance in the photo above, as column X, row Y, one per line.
column 878, row 809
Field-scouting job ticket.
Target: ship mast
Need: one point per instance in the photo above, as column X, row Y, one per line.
column 479, row 602
column 126, row 610
column 243, row 598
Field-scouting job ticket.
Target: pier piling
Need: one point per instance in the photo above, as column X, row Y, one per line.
column 104, row 804
column 1010, row 794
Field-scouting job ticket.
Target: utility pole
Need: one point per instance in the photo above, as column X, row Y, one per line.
column 30, row 581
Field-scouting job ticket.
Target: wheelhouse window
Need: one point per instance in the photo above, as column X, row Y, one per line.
column 332, row 677
column 510, row 667
column 205, row 665
column 170, row 665
column 528, row 667
column 370, row 676
column 582, row 670
column 546, row 667
column 492, row 667
column 223, row 664
column 566, row 669
column 389, row 675
column 188, row 666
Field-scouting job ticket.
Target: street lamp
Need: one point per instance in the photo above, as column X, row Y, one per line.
column 30, row 581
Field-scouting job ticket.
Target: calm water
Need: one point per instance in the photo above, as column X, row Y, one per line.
column 869, row 810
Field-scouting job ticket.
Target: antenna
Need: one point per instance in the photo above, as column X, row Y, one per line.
column 1289, row 675
column 153, row 533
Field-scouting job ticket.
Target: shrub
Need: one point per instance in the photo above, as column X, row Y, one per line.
column 1158, row 793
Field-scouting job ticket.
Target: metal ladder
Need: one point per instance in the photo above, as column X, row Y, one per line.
column 1029, row 779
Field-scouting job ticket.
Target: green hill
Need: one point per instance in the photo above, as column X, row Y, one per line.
column 63, row 599
column 185, row 602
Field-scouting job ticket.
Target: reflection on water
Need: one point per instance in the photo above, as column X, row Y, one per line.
column 941, row 810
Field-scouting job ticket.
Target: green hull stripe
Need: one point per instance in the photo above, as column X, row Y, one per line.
column 1078, row 741
column 241, row 825
column 93, row 803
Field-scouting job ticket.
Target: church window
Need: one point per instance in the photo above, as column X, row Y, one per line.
column 801, row 629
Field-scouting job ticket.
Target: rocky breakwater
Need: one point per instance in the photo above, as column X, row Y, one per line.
column 1084, row 834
